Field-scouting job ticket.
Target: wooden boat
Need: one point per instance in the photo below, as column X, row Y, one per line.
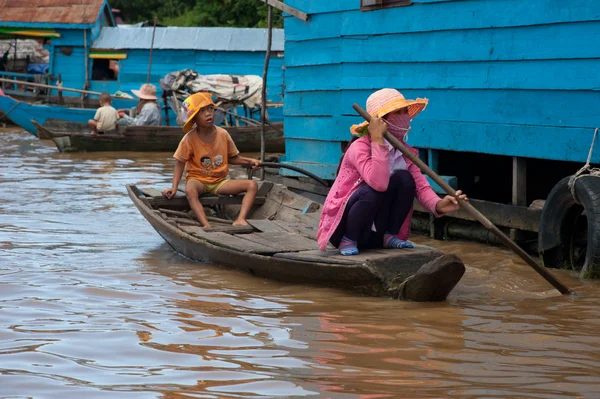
column 68, row 137
column 280, row 244
column 22, row 112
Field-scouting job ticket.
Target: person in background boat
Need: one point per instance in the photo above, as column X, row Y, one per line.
column 105, row 120
column 147, row 113
column 205, row 152
column 370, row 203
column 4, row 61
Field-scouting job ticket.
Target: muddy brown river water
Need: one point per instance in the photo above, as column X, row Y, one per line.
column 94, row 304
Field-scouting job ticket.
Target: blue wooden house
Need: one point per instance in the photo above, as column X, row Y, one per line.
column 68, row 27
column 88, row 51
column 229, row 51
column 504, row 78
column 512, row 88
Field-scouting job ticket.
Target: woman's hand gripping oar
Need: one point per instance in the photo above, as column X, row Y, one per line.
column 470, row 209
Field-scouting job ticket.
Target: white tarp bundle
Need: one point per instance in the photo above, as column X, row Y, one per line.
column 241, row 89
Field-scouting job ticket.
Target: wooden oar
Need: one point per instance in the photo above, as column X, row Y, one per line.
column 471, row 209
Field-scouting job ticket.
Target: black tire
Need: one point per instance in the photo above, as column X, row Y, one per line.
column 569, row 231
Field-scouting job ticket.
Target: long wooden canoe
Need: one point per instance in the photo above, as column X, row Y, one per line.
column 68, row 137
column 281, row 244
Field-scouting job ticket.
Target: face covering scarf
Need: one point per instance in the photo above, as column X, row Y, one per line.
column 399, row 125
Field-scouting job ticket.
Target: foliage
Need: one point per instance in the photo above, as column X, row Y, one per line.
column 233, row 13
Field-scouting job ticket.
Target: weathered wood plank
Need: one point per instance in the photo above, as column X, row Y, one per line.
column 230, row 229
column 516, row 217
column 282, row 242
column 531, row 75
column 234, row 243
column 298, row 228
column 287, row 9
column 562, row 108
column 264, row 187
column 200, row 231
column 151, row 192
column 184, row 221
column 175, row 213
column 310, row 219
column 317, row 256
column 267, row 226
column 229, row 241
column 327, row 21
column 194, row 230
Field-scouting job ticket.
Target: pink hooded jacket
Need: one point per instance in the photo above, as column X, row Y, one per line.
column 367, row 163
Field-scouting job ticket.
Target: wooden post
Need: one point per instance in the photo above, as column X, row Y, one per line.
column 151, row 48
column 86, row 62
column 519, row 181
column 287, row 9
column 263, row 107
column 166, row 108
column 14, row 57
column 519, row 189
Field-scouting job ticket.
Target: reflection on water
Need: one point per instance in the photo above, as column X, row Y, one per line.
column 94, row 304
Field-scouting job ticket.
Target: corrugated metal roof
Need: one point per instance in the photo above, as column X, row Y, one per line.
column 176, row 38
column 50, row 11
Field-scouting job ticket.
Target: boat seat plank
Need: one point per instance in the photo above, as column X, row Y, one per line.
column 316, row 256
column 228, row 241
column 209, row 200
column 151, row 192
column 282, row 242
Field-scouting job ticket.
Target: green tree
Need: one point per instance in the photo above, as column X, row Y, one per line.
column 232, row 13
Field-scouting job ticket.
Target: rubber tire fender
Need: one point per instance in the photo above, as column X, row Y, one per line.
column 556, row 221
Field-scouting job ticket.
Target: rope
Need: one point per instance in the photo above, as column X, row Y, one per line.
column 586, row 170
column 5, row 115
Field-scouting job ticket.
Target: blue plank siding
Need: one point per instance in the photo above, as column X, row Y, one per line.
column 134, row 69
column 503, row 77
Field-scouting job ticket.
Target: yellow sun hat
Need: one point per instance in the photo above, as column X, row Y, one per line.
column 386, row 101
column 192, row 105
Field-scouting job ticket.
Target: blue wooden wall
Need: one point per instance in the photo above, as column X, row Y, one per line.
column 510, row 77
column 134, row 69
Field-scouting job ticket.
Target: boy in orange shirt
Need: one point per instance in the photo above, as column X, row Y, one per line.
column 205, row 152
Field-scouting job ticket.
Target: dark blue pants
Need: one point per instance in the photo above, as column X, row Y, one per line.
column 387, row 210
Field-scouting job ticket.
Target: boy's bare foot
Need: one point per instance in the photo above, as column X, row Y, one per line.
column 240, row 222
column 207, row 226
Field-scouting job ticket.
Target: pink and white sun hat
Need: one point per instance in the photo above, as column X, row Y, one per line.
column 386, row 101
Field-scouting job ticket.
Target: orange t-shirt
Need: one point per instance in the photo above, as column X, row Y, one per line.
column 206, row 162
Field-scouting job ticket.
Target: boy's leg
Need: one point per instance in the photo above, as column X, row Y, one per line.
column 234, row 187
column 93, row 125
column 193, row 189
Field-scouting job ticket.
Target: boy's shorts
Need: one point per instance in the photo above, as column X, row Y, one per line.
column 212, row 188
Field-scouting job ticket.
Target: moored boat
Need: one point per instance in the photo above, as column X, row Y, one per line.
column 280, row 244
column 22, row 112
column 69, row 137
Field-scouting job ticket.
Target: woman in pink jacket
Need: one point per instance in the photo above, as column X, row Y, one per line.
column 370, row 203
